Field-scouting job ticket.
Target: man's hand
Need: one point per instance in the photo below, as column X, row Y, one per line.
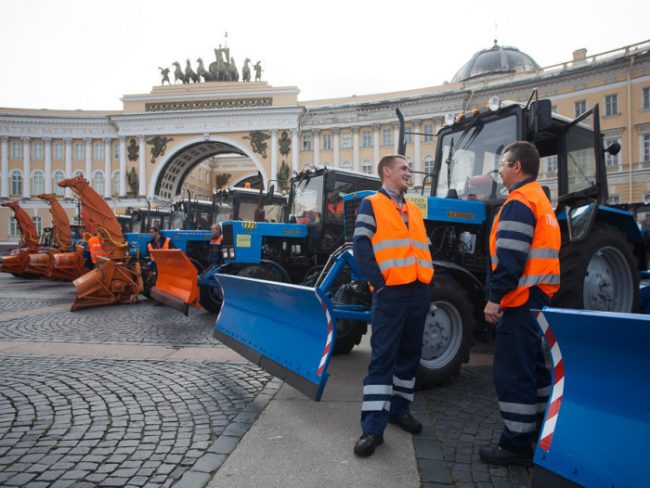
column 492, row 312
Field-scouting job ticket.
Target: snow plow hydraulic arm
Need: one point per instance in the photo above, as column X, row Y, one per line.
column 28, row 232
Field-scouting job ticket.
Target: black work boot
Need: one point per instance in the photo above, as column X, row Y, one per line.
column 408, row 423
column 366, row 444
column 503, row 457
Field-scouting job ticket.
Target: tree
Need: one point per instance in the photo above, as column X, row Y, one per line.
column 222, row 179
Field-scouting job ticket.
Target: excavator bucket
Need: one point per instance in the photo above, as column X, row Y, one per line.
column 176, row 280
column 110, row 282
column 596, row 431
column 285, row 329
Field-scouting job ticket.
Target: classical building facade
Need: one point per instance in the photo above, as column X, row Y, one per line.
column 182, row 137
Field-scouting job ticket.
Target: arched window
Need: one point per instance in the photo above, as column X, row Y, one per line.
column 346, row 164
column 38, row 182
column 16, row 183
column 56, row 177
column 78, row 173
column 116, row 182
column 366, row 167
column 98, row 182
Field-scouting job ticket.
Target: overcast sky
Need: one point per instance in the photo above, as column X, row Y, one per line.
column 87, row 54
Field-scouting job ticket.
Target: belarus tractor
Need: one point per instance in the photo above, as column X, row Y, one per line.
column 291, row 330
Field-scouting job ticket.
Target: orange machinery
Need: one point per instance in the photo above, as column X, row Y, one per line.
column 114, row 279
column 17, row 262
column 56, row 262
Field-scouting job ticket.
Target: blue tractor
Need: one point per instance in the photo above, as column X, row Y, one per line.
column 602, row 255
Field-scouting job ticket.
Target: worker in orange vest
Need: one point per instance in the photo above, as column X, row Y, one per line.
column 96, row 248
column 335, row 206
column 392, row 249
column 525, row 273
column 216, row 237
column 158, row 241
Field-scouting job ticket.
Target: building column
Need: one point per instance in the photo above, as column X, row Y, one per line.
column 294, row 149
column 316, row 138
column 122, row 166
column 27, row 167
column 417, row 159
column 375, row 142
column 107, row 168
column 89, row 159
column 274, row 156
column 47, row 141
column 4, row 168
column 355, row 149
column 142, row 170
column 68, row 165
column 337, row 152
column 396, row 134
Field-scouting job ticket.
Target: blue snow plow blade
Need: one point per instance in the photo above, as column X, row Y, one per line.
column 596, row 430
column 285, row 329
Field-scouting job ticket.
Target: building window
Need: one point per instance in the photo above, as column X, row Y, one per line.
column 614, row 199
column 551, row 164
column 78, row 173
column 38, row 183
column 56, row 177
column 428, row 132
column 98, row 182
column 16, row 183
column 366, row 138
column 306, row 142
column 554, row 109
column 410, row 163
column 116, row 182
column 580, row 107
column 78, row 151
column 98, row 151
column 366, row 167
column 13, row 228
column 386, row 137
column 116, row 151
column 38, row 222
column 37, row 150
column 408, row 137
column 58, row 151
column 428, row 164
column 346, row 140
column 645, row 98
column 611, row 104
column 327, row 142
column 346, row 165
column 16, row 150
column 645, row 147
column 611, row 160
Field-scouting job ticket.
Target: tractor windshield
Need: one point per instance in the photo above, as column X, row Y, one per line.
column 307, row 203
column 470, row 158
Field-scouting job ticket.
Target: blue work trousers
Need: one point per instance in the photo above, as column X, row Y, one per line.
column 521, row 377
column 398, row 315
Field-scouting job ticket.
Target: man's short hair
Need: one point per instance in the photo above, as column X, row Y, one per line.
column 527, row 154
column 387, row 161
column 154, row 229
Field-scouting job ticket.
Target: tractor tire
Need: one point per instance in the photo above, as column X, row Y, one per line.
column 598, row 273
column 348, row 335
column 447, row 336
column 210, row 298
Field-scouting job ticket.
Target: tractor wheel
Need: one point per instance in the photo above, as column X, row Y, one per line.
column 211, row 298
column 599, row 273
column 447, row 334
column 348, row 335
column 265, row 271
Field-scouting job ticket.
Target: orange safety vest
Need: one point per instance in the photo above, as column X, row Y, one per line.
column 335, row 210
column 402, row 253
column 164, row 246
column 96, row 248
column 542, row 268
column 217, row 240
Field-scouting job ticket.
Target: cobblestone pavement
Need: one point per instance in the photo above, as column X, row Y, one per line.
column 459, row 419
column 75, row 421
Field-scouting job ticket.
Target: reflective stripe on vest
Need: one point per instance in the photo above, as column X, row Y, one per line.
column 542, row 267
column 402, row 253
column 96, row 248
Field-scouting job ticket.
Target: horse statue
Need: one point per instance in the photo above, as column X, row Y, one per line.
column 233, row 72
column 246, row 70
column 218, row 68
column 178, row 73
column 190, row 75
column 202, row 72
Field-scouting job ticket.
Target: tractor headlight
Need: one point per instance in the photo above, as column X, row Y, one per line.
column 224, row 253
column 450, row 119
column 232, row 253
column 494, row 103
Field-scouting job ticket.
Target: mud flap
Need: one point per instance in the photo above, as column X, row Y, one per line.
column 176, row 281
column 285, row 329
column 596, row 430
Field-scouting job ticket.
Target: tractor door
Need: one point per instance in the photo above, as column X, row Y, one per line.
column 582, row 181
